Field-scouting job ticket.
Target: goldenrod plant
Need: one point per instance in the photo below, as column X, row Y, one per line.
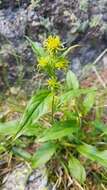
column 59, row 119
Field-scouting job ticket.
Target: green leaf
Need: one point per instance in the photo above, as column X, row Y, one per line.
column 69, row 50
column 22, row 144
column 76, row 169
column 33, row 104
column 21, row 153
column 43, row 108
column 72, row 81
column 39, row 105
column 32, row 130
column 43, row 154
column 89, row 102
column 2, row 149
column 75, row 93
column 100, row 126
column 59, row 130
column 36, row 47
column 88, row 151
column 8, row 128
column 93, row 154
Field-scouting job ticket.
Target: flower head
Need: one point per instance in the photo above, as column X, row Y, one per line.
column 61, row 64
column 52, row 43
column 43, row 61
column 53, row 83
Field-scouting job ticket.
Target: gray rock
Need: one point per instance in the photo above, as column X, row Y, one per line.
column 76, row 65
column 22, row 179
column 16, row 180
column 104, row 17
column 79, row 22
column 13, row 24
column 13, row 3
column 38, row 180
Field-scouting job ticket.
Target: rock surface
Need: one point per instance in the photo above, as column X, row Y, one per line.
column 38, row 180
column 22, row 179
column 17, row 179
column 83, row 22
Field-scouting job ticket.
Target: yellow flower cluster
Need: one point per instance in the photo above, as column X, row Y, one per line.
column 52, row 43
column 52, row 83
column 50, row 61
column 61, row 64
column 43, row 61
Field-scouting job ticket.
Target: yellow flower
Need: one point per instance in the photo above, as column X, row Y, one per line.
column 52, row 83
column 52, row 43
column 43, row 61
column 61, row 64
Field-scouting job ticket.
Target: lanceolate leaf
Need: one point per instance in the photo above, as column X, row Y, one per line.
column 43, row 108
column 76, row 169
column 89, row 102
column 75, row 93
column 21, row 153
column 8, row 128
column 100, row 126
column 36, row 47
column 59, row 130
column 2, row 149
column 39, row 105
column 72, row 81
column 93, row 154
column 70, row 49
column 32, row 130
column 43, row 154
column 35, row 101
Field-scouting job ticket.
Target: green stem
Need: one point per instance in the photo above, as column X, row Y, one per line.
column 53, row 108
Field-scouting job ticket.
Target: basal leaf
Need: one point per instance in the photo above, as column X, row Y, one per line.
column 21, row 153
column 59, row 130
column 43, row 108
column 33, row 104
column 8, row 128
column 43, row 154
column 32, row 130
column 89, row 102
column 2, row 149
column 93, row 154
column 39, row 105
column 100, row 126
column 76, row 169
